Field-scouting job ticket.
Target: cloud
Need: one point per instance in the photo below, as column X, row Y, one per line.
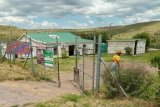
column 75, row 24
column 56, row 8
column 24, row 13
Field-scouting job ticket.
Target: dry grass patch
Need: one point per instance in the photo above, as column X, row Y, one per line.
column 13, row 73
column 78, row 101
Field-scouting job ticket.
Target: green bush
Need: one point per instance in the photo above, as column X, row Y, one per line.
column 155, row 45
column 143, row 35
column 155, row 61
column 64, row 53
column 128, row 50
column 157, row 97
column 134, row 78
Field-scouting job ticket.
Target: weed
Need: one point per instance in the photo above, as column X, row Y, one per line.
column 71, row 97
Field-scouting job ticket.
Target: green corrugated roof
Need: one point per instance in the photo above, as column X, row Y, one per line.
column 63, row 37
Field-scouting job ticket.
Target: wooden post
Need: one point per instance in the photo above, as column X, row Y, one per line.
column 59, row 82
column 30, row 41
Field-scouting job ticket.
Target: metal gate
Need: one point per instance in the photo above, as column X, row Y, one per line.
column 84, row 70
column 87, row 71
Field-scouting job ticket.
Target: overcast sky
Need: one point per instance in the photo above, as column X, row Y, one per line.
column 33, row 14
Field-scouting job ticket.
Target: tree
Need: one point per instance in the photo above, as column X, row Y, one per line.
column 104, row 37
column 143, row 35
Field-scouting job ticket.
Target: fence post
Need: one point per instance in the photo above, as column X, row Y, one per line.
column 84, row 49
column 0, row 48
column 93, row 78
column 76, row 53
column 59, row 82
column 98, row 64
column 30, row 41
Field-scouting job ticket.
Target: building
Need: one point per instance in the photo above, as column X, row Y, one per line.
column 137, row 45
column 66, row 40
column 2, row 48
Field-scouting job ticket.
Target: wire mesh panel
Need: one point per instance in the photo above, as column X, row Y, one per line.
column 85, row 64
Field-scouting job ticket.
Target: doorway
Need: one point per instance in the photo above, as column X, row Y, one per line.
column 135, row 48
column 71, row 50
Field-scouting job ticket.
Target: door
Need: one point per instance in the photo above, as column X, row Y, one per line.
column 71, row 50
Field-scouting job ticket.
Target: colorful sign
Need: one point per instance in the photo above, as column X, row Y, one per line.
column 40, row 58
column 48, row 58
column 18, row 48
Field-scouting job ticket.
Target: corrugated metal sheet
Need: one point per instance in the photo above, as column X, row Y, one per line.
column 63, row 37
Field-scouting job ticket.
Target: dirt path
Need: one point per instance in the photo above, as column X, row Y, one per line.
column 22, row 92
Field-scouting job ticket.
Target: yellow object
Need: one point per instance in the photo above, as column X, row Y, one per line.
column 116, row 58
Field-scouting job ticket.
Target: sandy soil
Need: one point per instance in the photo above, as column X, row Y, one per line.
column 22, row 92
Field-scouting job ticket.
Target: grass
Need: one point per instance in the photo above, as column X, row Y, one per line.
column 137, row 58
column 91, row 101
column 14, row 73
column 17, row 72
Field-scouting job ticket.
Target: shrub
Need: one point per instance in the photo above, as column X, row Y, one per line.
column 133, row 78
column 157, row 97
column 143, row 35
column 155, row 45
column 128, row 50
column 64, row 53
column 155, row 61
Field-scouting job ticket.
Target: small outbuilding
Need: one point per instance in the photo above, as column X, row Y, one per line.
column 2, row 48
column 66, row 40
column 137, row 45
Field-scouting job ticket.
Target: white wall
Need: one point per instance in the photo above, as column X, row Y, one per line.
column 61, row 45
column 141, row 46
column 120, row 45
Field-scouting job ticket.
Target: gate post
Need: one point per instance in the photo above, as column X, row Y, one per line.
column 93, row 78
column 98, row 64
column 76, row 70
column 30, row 41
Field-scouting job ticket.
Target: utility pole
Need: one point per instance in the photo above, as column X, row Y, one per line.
column 110, row 30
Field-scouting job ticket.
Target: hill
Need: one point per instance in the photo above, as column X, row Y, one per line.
column 118, row 32
column 127, row 31
column 10, row 32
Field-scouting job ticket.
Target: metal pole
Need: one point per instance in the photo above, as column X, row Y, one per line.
column 10, row 62
column 0, row 49
column 116, row 81
column 76, row 54
column 98, row 64
column 94, row 44
column 110, row 30
column 59, row 82
column 76, row 73
column 83, row 70
column 30, row 41
column 14, row 57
